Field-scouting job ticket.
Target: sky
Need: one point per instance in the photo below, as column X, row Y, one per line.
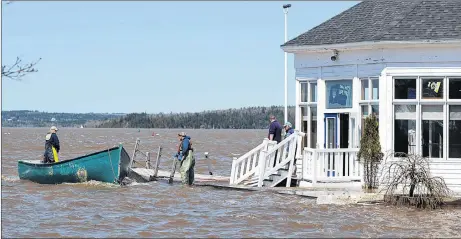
column 151, row 56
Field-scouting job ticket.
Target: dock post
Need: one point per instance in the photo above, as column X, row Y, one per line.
column 209, row 163
column 147, row 160
column 134, row 152
column 157, row 162
column 233, row 171
column 262, row 167
column 173, row 170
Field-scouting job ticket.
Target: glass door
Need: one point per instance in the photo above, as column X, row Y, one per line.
column 331, row 130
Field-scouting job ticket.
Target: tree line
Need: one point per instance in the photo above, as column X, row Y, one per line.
column 34, row 118
column 243, row 118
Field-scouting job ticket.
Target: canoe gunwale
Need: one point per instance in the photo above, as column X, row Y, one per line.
column 70, row 160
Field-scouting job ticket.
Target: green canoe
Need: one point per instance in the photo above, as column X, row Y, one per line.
column 111, row 166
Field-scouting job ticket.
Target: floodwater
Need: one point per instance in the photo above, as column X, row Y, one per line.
column 157, row 209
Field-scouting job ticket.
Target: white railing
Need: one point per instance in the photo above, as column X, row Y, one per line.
column 278, row 156
column 247, row 165
column 259, row 162
column 331, row 165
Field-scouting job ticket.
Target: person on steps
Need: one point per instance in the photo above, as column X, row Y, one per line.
column 275, row 133
column 288, row 129
column 275, row 130
column 51, row 146
column 185, row 155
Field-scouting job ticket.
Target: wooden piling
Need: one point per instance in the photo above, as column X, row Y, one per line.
column 134, row 152
column 147, row 160
column 157, row 162
column 173, row 170
column 209, row 163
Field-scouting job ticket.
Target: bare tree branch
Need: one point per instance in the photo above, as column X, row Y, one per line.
column 19, row 69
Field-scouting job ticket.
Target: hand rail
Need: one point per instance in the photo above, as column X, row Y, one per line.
column 246, row 168
column 266, row 168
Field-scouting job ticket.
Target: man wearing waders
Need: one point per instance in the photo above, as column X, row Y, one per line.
column 186, row 157
column 51, row 144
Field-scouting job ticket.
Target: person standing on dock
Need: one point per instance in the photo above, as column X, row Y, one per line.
column 185, row 155
column 275, row 133
column 51, row 146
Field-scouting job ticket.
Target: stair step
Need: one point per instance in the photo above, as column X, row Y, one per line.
column 253, row 185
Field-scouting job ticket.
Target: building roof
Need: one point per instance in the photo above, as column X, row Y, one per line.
column 388, row 20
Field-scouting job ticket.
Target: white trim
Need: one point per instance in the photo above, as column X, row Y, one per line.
column 304, row 79
column 369, row 45
column 422, row 71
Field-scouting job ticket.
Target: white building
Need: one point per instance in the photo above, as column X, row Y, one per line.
column 398, row 59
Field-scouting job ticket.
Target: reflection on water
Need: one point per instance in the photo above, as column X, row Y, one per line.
column 158, row 209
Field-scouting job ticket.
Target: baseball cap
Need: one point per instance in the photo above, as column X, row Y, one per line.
column 53, row 128
column 287, row 124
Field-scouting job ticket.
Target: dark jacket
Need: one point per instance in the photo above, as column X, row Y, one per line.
column 51, row 139
column 276, row 129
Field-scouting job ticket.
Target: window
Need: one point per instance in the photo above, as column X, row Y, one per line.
column 405, row 128
column 454, row 132
column 313, row 92
column 454, row 88
column 364, row 110
column 405, row 89
column 432, row 88
column 304, row 124
column 339, row 94
column 313, row 130
column 375, row 110
column 304, row 91
column 365, row 90
column 308, row 103
column 432, row 131
column 436, row 134
column 308, row 91
column 370, row 100
column 375, row 89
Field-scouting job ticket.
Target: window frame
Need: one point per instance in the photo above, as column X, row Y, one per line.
column 445, row 102
column 308, row 105
column 327, row 102
column 367, row 102
column 448, row 89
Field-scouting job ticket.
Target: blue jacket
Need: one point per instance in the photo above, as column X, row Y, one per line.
column 185, row 147
column 289, row 132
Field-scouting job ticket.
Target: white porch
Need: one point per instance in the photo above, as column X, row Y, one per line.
column 327, row 166
column 263, row 167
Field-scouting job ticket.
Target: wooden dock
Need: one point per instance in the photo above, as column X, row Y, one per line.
column 142, row 170
column 148, row 175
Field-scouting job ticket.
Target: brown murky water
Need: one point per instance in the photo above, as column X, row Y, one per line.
column 157, row 209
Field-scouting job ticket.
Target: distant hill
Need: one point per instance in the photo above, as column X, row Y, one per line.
column 243, row 118
column 28, row 118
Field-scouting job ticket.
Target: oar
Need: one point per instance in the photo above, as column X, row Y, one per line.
column 173, row 170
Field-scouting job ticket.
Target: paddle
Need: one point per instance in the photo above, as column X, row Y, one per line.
column 173, row 170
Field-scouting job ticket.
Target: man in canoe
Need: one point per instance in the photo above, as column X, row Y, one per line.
column 185, row 155
column 51, row 146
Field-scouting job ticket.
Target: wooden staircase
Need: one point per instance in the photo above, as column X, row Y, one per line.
column 256, row 168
